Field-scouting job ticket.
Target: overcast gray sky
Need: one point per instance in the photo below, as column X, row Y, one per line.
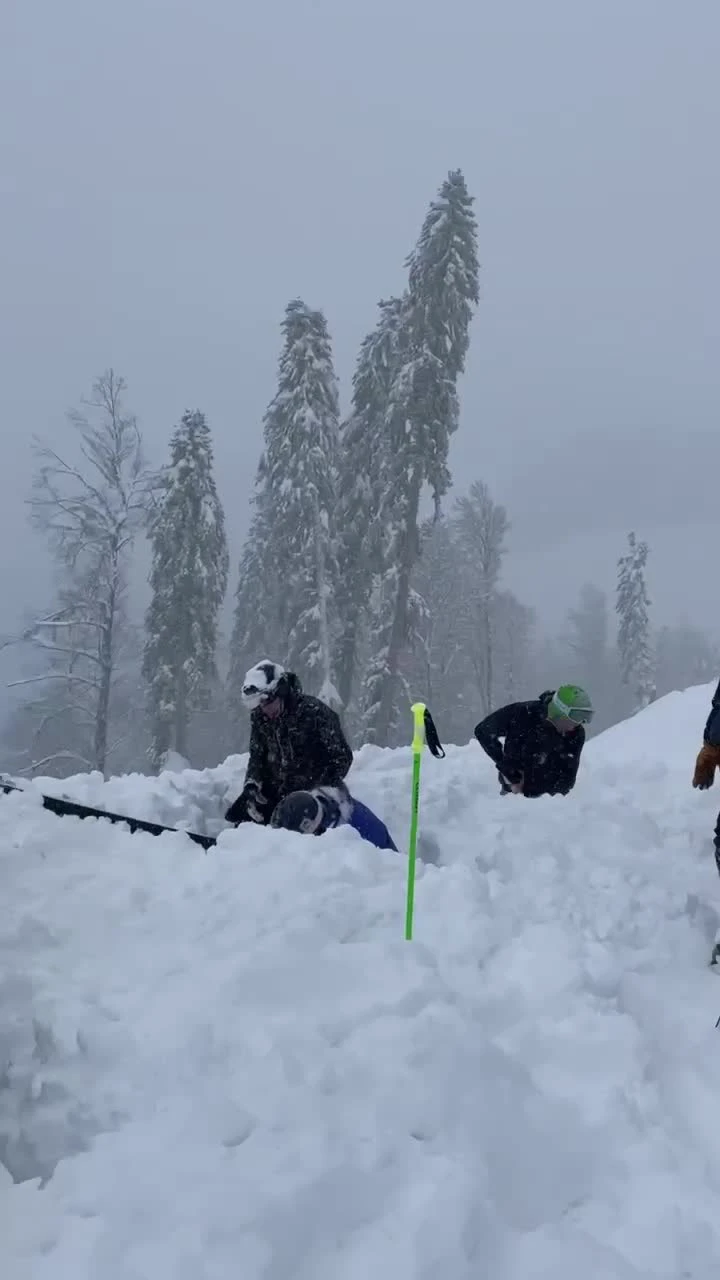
column 173, row 171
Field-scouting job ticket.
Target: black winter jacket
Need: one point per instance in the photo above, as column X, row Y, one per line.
column 712, row 727
column 534, row 751
column 304, row 747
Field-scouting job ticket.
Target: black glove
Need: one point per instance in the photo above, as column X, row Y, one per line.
column 512, row 775
column 250, row 806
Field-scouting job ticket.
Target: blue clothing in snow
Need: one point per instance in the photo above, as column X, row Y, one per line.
column 341, row 809
column 368, row 825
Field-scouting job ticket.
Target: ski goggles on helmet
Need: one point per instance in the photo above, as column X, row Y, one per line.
column 262, row 684
column 560, row 710
column 254, row 697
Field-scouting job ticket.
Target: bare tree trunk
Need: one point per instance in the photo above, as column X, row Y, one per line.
column 178, row 729
column 323, row 626
column 427, row 647
column 91, row 513
column 399, row 630
column 487, row 663
column 181, row 716
column 347, row 652
column 102, row 713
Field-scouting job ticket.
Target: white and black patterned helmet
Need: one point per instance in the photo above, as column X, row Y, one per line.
column 262, row 683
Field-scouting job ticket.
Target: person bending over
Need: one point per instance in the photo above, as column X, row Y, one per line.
column 542, row 741
column 296, row 743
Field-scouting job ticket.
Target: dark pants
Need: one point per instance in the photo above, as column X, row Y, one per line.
column 717, row 843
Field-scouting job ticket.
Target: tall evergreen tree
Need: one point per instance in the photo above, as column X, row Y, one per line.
column 421, row 416
column 189, row 580
column 360, row 488
column 293, row 550
column 632, row 606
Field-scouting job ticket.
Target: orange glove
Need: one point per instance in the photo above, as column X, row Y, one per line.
column 707, row 762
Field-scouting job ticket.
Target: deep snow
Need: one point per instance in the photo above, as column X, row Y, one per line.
column 232, row 1065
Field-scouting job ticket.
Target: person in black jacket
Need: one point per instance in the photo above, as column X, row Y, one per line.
column 296, row 743
column 708, row 760
column 543, row 741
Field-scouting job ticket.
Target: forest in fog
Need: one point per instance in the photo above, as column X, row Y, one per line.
column 367, row 567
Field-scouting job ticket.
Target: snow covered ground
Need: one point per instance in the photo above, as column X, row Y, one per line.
column 232, row 1067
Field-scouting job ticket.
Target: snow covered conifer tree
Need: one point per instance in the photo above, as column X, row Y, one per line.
column 422, row 415
column 299, row 474
column 188, row 579
column 361, row 476
column 632, row 606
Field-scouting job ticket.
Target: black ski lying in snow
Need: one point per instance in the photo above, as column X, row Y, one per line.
column 70, row 809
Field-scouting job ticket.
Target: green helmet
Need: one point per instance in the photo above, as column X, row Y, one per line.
column 570, row 702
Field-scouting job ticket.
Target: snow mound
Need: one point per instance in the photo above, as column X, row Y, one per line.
column 668, row 732
column 231, row 1064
